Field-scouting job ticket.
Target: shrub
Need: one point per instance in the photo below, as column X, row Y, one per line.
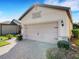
column 63, row 44
column 9, row 36
column 19, row 37
column 75, row 33
column 61, row 54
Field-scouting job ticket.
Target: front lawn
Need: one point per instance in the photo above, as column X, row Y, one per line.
column 3, row 38
column 3, row 43
column 6, row 37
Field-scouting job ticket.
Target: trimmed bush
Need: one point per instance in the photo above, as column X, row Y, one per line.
column 19, row 37
column 75, row 33
column 9, row 36
column 63, row 44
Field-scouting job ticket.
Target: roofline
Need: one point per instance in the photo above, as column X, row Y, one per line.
column 69, row 15
column 67, row 9
column 6, row 24
column 26, row 12
column 15, row 21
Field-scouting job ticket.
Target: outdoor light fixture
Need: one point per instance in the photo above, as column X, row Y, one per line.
column 62, row 23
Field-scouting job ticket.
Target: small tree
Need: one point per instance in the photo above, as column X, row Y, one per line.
column 75, row 26
column 75, row 33
column 19, row 37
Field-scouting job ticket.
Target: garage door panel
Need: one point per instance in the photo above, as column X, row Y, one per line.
column 42, row 32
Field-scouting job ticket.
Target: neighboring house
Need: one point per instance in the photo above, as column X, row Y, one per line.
column 47, row 23
column 9, row 27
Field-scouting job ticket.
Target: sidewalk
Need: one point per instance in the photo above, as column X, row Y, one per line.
column 6, row 48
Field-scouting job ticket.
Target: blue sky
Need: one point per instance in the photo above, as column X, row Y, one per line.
column 13, row 9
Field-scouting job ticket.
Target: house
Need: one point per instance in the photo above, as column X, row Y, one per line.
column 47, row 23
column 10, row 27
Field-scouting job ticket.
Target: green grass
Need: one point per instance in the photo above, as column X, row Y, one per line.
column 11, row 36
column 3, row 38
column 76, row 41
column 3, row 43
column 7, row 37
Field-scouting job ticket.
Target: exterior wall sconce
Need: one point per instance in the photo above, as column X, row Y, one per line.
column 62, row 23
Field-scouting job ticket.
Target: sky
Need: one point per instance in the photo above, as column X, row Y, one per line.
column 13, row 9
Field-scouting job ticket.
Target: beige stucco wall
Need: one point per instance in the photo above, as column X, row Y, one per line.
column 69, row 28
column 49, row 15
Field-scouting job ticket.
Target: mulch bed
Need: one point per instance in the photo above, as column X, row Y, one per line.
column 74, row 45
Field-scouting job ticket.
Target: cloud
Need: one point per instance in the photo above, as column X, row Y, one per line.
column 7, row 18
column 4, row 17
column 74, row 4
column 75, row 17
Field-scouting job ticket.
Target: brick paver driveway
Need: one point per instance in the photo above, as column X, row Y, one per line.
column 28, row 49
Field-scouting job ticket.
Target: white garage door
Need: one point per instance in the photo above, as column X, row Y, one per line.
column 42, row 32
column 9, row 29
